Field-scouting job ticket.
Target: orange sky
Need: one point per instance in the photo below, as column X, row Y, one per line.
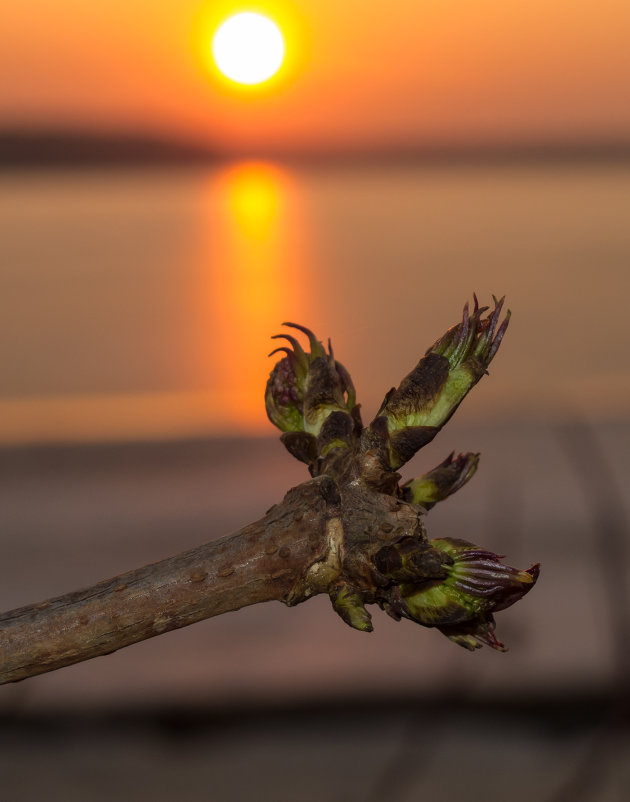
column 360, row 72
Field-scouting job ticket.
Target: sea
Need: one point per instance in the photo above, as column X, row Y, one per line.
column 139, row 303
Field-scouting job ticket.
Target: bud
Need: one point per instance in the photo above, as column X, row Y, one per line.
column 284, row 394
column 305, row 388
column 348, row 604
column 440, row 483
column 415, row 412
column 477, row 584
column 410, row 560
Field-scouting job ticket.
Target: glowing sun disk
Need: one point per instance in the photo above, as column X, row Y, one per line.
column 248, row 48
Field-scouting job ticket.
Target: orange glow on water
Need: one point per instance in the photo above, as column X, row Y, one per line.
column 254, row 195
column 254, row 282
column 229, row 268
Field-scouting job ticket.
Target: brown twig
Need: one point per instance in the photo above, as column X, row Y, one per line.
column 351, row 531
column 258, row 563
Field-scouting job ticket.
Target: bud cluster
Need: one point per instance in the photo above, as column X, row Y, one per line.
column 460, row 596
column 446, row 583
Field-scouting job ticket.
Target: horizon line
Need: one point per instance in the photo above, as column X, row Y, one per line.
column 24, row 148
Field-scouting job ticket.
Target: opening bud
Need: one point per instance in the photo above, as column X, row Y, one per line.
column 414, row 412
column 440, row 483
column 477, row 584
column 304, row 388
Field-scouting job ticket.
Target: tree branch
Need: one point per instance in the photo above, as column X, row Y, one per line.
column 351, row 531
column 261, row 562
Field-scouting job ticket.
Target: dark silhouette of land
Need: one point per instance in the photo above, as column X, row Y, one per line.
column 32, row 149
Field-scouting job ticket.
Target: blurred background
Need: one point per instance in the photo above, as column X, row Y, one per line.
column 157, row 225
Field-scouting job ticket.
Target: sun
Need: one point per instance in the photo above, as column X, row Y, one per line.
column 248, row 48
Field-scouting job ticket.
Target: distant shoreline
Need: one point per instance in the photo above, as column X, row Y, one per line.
column 32, row 150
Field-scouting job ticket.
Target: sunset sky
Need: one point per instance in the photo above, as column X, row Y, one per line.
column 357, row 73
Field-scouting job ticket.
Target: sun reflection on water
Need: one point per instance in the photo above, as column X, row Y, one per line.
column 222, row 268
column 254, row 194
column 255, row 281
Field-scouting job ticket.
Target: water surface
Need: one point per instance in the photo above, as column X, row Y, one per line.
column 139, row 304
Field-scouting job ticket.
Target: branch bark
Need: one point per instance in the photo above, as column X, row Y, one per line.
column 261, row 562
